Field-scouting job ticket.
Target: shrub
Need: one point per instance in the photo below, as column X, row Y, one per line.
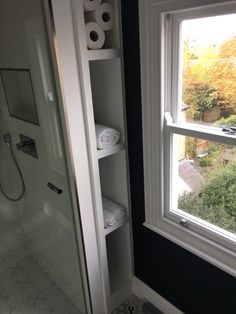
column 193, row 204
column 230, row 121
column 205, row 161
column 221, row 189
column 213, row 148
column 190, row 147
column 217, row 203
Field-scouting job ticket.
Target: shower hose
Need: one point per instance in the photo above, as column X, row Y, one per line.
column 7, row 140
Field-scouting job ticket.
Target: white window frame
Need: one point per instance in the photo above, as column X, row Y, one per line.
column 157, row 49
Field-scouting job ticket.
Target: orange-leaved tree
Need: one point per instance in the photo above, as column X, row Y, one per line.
column 222, row 75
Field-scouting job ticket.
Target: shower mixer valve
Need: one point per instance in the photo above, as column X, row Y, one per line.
column 27, row 145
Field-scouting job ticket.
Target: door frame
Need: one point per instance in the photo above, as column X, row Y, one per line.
column 61, row 35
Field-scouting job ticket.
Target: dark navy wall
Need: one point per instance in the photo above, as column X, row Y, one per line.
column 188, row 282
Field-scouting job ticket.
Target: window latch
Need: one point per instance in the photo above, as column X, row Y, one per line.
column 183, row 222
column 231, row 130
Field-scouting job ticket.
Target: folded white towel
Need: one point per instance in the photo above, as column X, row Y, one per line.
column 113, row 208
column 106, row 137
column 109, row 219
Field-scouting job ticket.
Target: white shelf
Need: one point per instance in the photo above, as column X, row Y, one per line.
column 103, row 54
column 104, row 95
column 110, row 151
column 119, row 224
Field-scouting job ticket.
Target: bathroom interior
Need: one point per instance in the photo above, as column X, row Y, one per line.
column 61, row 249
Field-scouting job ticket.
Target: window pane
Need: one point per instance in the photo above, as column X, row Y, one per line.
column 208, row 53
column 205, row 175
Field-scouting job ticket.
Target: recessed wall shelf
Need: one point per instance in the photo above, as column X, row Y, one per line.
column 110, row 151
column 119, row 224
column 103, row 54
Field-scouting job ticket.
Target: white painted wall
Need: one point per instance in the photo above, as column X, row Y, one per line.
column 47, row 217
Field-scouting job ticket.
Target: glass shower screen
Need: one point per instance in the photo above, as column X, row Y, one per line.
column 41, row 257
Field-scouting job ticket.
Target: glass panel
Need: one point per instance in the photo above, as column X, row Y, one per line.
column 19, row 94
column 205, row 175
column 40, row 263
column 208, row 53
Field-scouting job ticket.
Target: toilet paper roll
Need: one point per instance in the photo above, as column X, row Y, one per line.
column 104, row 16
column 91, row 5
column 95, row 35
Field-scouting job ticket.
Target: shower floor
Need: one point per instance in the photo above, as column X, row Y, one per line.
column 26, row 289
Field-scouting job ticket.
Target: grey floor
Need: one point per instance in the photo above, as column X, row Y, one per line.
column 26, row 289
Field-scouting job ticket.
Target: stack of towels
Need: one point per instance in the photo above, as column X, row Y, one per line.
column 112, row 212
column 105, row 136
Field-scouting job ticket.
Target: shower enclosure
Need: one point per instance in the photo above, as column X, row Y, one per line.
column 42, row 264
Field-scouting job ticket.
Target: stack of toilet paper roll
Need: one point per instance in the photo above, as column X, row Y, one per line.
column 99, row 18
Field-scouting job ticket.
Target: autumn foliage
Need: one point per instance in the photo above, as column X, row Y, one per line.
column 209, row 79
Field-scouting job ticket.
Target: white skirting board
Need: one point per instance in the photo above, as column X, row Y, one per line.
column 141, row 290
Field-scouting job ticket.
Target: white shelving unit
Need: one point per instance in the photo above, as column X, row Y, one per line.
column 92, row 88
column 102, row 76
column 110, row 151
column 103, row 54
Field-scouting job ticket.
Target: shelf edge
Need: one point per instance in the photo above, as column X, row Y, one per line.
column 116, row 226
column 110, row 151
column 103, row 54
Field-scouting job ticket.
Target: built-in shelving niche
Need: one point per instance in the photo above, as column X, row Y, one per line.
column 112, row 36
column 106, row 78
column 113, row 178
column 106, row 83
column 119, row 263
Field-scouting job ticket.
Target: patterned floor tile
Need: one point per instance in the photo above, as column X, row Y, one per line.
column 26, row 289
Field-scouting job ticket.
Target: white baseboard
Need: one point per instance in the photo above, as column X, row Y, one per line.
column 141, row 290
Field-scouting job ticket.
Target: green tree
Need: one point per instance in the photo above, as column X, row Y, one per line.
column 216, row 203
column 193, row 204
column 221, row 189
column 200, row 97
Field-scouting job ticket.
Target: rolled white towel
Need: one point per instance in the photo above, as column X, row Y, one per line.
column 109, row 219
column 113, row 208
column 105, row 136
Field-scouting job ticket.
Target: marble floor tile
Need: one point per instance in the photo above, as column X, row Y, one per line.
column 26, row 289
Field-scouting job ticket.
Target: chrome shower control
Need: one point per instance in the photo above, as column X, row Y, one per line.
column 54, row 188
column 27, row 145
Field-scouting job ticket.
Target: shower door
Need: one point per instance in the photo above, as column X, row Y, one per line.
column 42, row 263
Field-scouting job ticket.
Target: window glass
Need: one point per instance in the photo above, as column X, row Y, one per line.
column 205, row 174
column 208, row 71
